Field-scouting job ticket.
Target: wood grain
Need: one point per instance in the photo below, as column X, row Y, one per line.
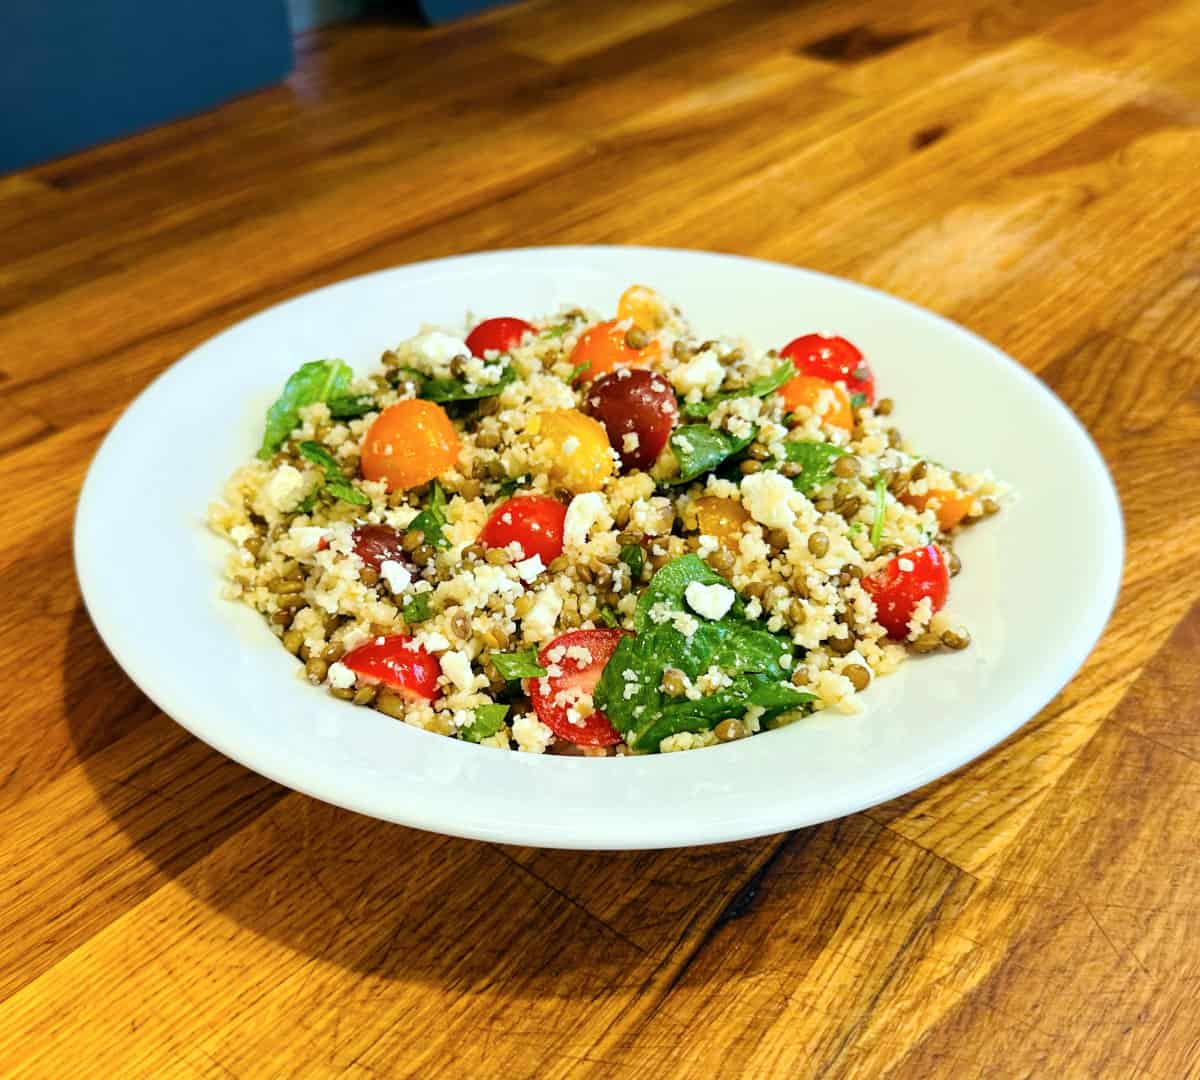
column 1027, row 169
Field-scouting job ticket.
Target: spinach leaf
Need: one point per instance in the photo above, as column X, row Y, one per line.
column 816, row 463
column 335, row 483
column 416, row 608
column 518, row 665
column 880, row 510
column 318, row 380
column 489, row 719
column 608, row 617
column 633, row 556
column 508, row 487
column 443, row 390
column 351, row 407
column 699, row 449
column 760, row 387
column 430, row 521
column 671, row 582
column 556, row 331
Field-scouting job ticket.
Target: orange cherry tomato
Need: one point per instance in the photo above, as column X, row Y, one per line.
column 722, row 518
column 643, row 306
column 603, row 347
column 951, row 509
column 806, row 390
column 573, row 448
column 411, row 443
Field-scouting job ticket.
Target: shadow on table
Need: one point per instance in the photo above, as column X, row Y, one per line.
column 375, row 897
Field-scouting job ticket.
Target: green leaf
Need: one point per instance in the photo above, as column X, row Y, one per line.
column 857, row 401
column 318, row 380
column 578, row 370
column 633, row 556
column 430, row 521
column 699, row 449
column 760, row 387
column 351, row 408
column 489, row 719
column 671, row 582
column 518, row 665
column 508, row 487
column 335, row 483
column 306, row 505
column 816, row 461
column 444, row 390
column 556, row 331
column 880, row 510
column 416, row 608
column 608, row 617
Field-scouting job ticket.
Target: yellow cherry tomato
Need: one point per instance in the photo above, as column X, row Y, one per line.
column 644, row 306
column 806, row 390
column 573, row 449
column 411, row 443
column 952, row 506
column 722, row 518
column 604, row 348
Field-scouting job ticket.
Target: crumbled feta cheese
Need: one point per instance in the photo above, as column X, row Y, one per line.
column 456, row 666
column 539, row 623
column 432, row 641
column 711, row 601
column 307, row 537
column 704, row 373
column 283, row 490
column 585, row 513
column 340, row 676
column 531, row 734
column 436, row 349
column 396, row 575
column 529, row 569
column 766, row 495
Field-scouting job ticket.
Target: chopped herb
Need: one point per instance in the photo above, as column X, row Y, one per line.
column 578, row 370
column 318, row 380
column 306, row 505
column 416, row 609
column 633, row 556
column 760, row 387
column 699, row 449
column 335, row 483
column 509, row 486
column 855, row 528
column 880, row 510
column 816, row 463
column 857, row 401
column 556, row 331
column 444, row 390
column 518, row 665
column 352, row 407
column 430, row 521
column 609, row 617
column 489, row 719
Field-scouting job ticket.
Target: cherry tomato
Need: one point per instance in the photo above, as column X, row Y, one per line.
column 574, row 678
column 643, row 307
column 832, row 358
column 377, row 544
column 722, row 518
column 573, row 447
column 951, row 509
column 500, row 335
column 400, row 664
column 807, row 389
column 534, row 522
column 901, row 585
column 603, row 348
column 637, row 403
column 410, row 443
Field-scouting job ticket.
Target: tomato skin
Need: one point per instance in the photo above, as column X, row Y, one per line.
column 377, row 544
column 500, row 334
column 535, row 522
column 574, row 448
column 576, row 678
column 642, row 306
column 832, row 359
column 603, row 348
column 641, row 403
column 409, row 444
column 807, row 389
column 897, row 592
column 723, row 518
column 399, row 665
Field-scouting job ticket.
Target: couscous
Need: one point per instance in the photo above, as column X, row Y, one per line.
column 597, row 535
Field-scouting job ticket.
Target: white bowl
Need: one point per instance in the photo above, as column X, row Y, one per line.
column 1038, row 583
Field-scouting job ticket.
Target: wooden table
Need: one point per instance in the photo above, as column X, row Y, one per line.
column 1031, row 170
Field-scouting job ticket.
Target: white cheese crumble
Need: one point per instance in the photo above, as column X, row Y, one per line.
column 283, row 490
column 539, row 623
column 436, row 348
column 531, row 734
column 766, row 496
column 529, row 569
column 340, row 676
column 456, row 666
column 396, row 575
column 711, row 601
column 704, row 373
column 585, row 513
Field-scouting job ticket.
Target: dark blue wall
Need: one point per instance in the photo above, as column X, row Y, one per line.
column 78, row 72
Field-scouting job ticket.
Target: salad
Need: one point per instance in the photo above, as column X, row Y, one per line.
column 597, row 535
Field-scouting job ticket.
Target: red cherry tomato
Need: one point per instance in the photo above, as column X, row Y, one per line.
column 575, row 661
column 400, row 664
column 832, row 358
column 901, row 585
column 634, row 402
column 535, row 522
column 377, row 544
column 500, row 334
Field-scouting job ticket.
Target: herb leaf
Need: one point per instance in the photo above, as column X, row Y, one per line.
column 699, row 449
column 416, row 608
column 609, row 618
column 443, row 390
column 857, row 401
column 760, row 387
column 816, row 463
column 880, row 510
column 633, row 556
column 351, row 407
column 578, row 370
column 556, row 331
column 671, row 582
column 430, row 521
column 489, row 719
column 335, row 483
column 318, row 380
column 518, row 665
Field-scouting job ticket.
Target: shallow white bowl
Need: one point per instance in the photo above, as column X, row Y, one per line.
column 1037, row 588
